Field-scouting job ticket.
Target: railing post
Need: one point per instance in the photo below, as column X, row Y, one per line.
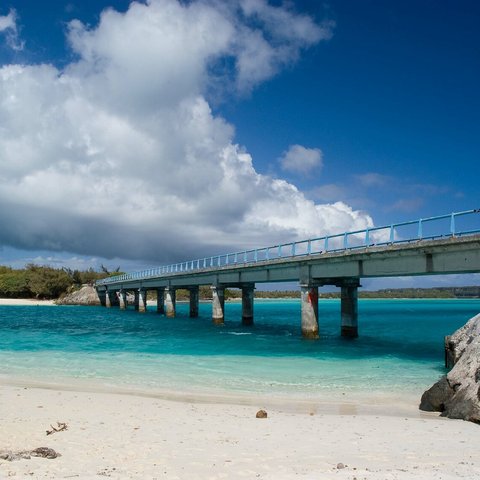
column 280, row 251
column 367, row 237
column 267, row 253
column 309, row 247
column 326, row 244
column 392, row 234
column 235, row 258
column 345, row 240
column 293, row 249
column 420, row 233
column 255, row 255
column 452, row 225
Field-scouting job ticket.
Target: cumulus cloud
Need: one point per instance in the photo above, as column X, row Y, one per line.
column 119, row 155
column 299, row 159
column 8, row 27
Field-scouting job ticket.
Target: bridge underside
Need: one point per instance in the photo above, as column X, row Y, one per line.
column 342, row 269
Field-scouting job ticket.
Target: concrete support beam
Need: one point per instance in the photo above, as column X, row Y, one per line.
column 108, row 299
column 136, row 301
column 349, row 308
column 170, row 301
column 194, row 301
column 161, row 300
column 142, row 300
column 309, row 301
column 113, row 299
column 218, row 305
column 122, row 299
column 102, row 296
column 247, row 304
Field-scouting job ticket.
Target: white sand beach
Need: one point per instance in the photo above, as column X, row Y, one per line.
column 25, row 302
column 128, row 436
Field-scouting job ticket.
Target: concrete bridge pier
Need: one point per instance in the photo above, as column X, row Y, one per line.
column 122, row 299
column 113, row 299
column 309, row 300
column 136, row 299
column 247, row 304
column 218, row 305
column 349, row 307
column 194, row 301
column 161, row 300
column 142, row 300
column 102, row 296
column 108, row 299
column 170, row 301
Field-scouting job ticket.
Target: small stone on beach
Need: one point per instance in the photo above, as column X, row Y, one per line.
column 340, row 466
column 261, row 414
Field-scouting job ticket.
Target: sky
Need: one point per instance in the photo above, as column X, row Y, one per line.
column 136, row 134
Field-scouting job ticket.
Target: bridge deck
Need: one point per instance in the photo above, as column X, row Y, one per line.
column 420, row 257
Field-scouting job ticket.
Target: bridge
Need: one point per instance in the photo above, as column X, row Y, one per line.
column 438, row 245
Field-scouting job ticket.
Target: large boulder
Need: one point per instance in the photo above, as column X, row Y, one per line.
column 87, row 295
column 457, row 394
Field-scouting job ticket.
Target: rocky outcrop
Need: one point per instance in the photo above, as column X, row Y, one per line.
column 87, row 295
column 457, row 394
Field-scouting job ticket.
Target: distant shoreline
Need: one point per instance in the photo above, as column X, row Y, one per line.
column 26, row 302
column 33, row 302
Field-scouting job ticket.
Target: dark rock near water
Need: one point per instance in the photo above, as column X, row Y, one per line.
column 87, row 295
column 457, row 394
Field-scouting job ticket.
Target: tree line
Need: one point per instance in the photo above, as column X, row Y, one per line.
column 44, row 282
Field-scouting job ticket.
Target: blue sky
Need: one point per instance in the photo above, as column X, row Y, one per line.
column 353, row 112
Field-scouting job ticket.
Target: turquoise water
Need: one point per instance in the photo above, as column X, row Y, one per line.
column 400, row 347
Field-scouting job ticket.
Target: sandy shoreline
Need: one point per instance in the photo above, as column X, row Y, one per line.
column 132, row 436
column 25, row 302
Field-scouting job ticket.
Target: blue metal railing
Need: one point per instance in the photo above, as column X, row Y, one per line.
column 443, row 226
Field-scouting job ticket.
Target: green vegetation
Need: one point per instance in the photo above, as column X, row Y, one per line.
column 43, row 282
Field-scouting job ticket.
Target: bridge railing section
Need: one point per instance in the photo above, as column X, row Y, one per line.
column 452, row 225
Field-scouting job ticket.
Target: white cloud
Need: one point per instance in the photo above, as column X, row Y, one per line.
column 374, row 179
column 7, row 22
column 8, row 26
column 119, row 154
column 299, row 159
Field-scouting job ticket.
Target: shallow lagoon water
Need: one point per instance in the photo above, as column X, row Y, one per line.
column 400, row 348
